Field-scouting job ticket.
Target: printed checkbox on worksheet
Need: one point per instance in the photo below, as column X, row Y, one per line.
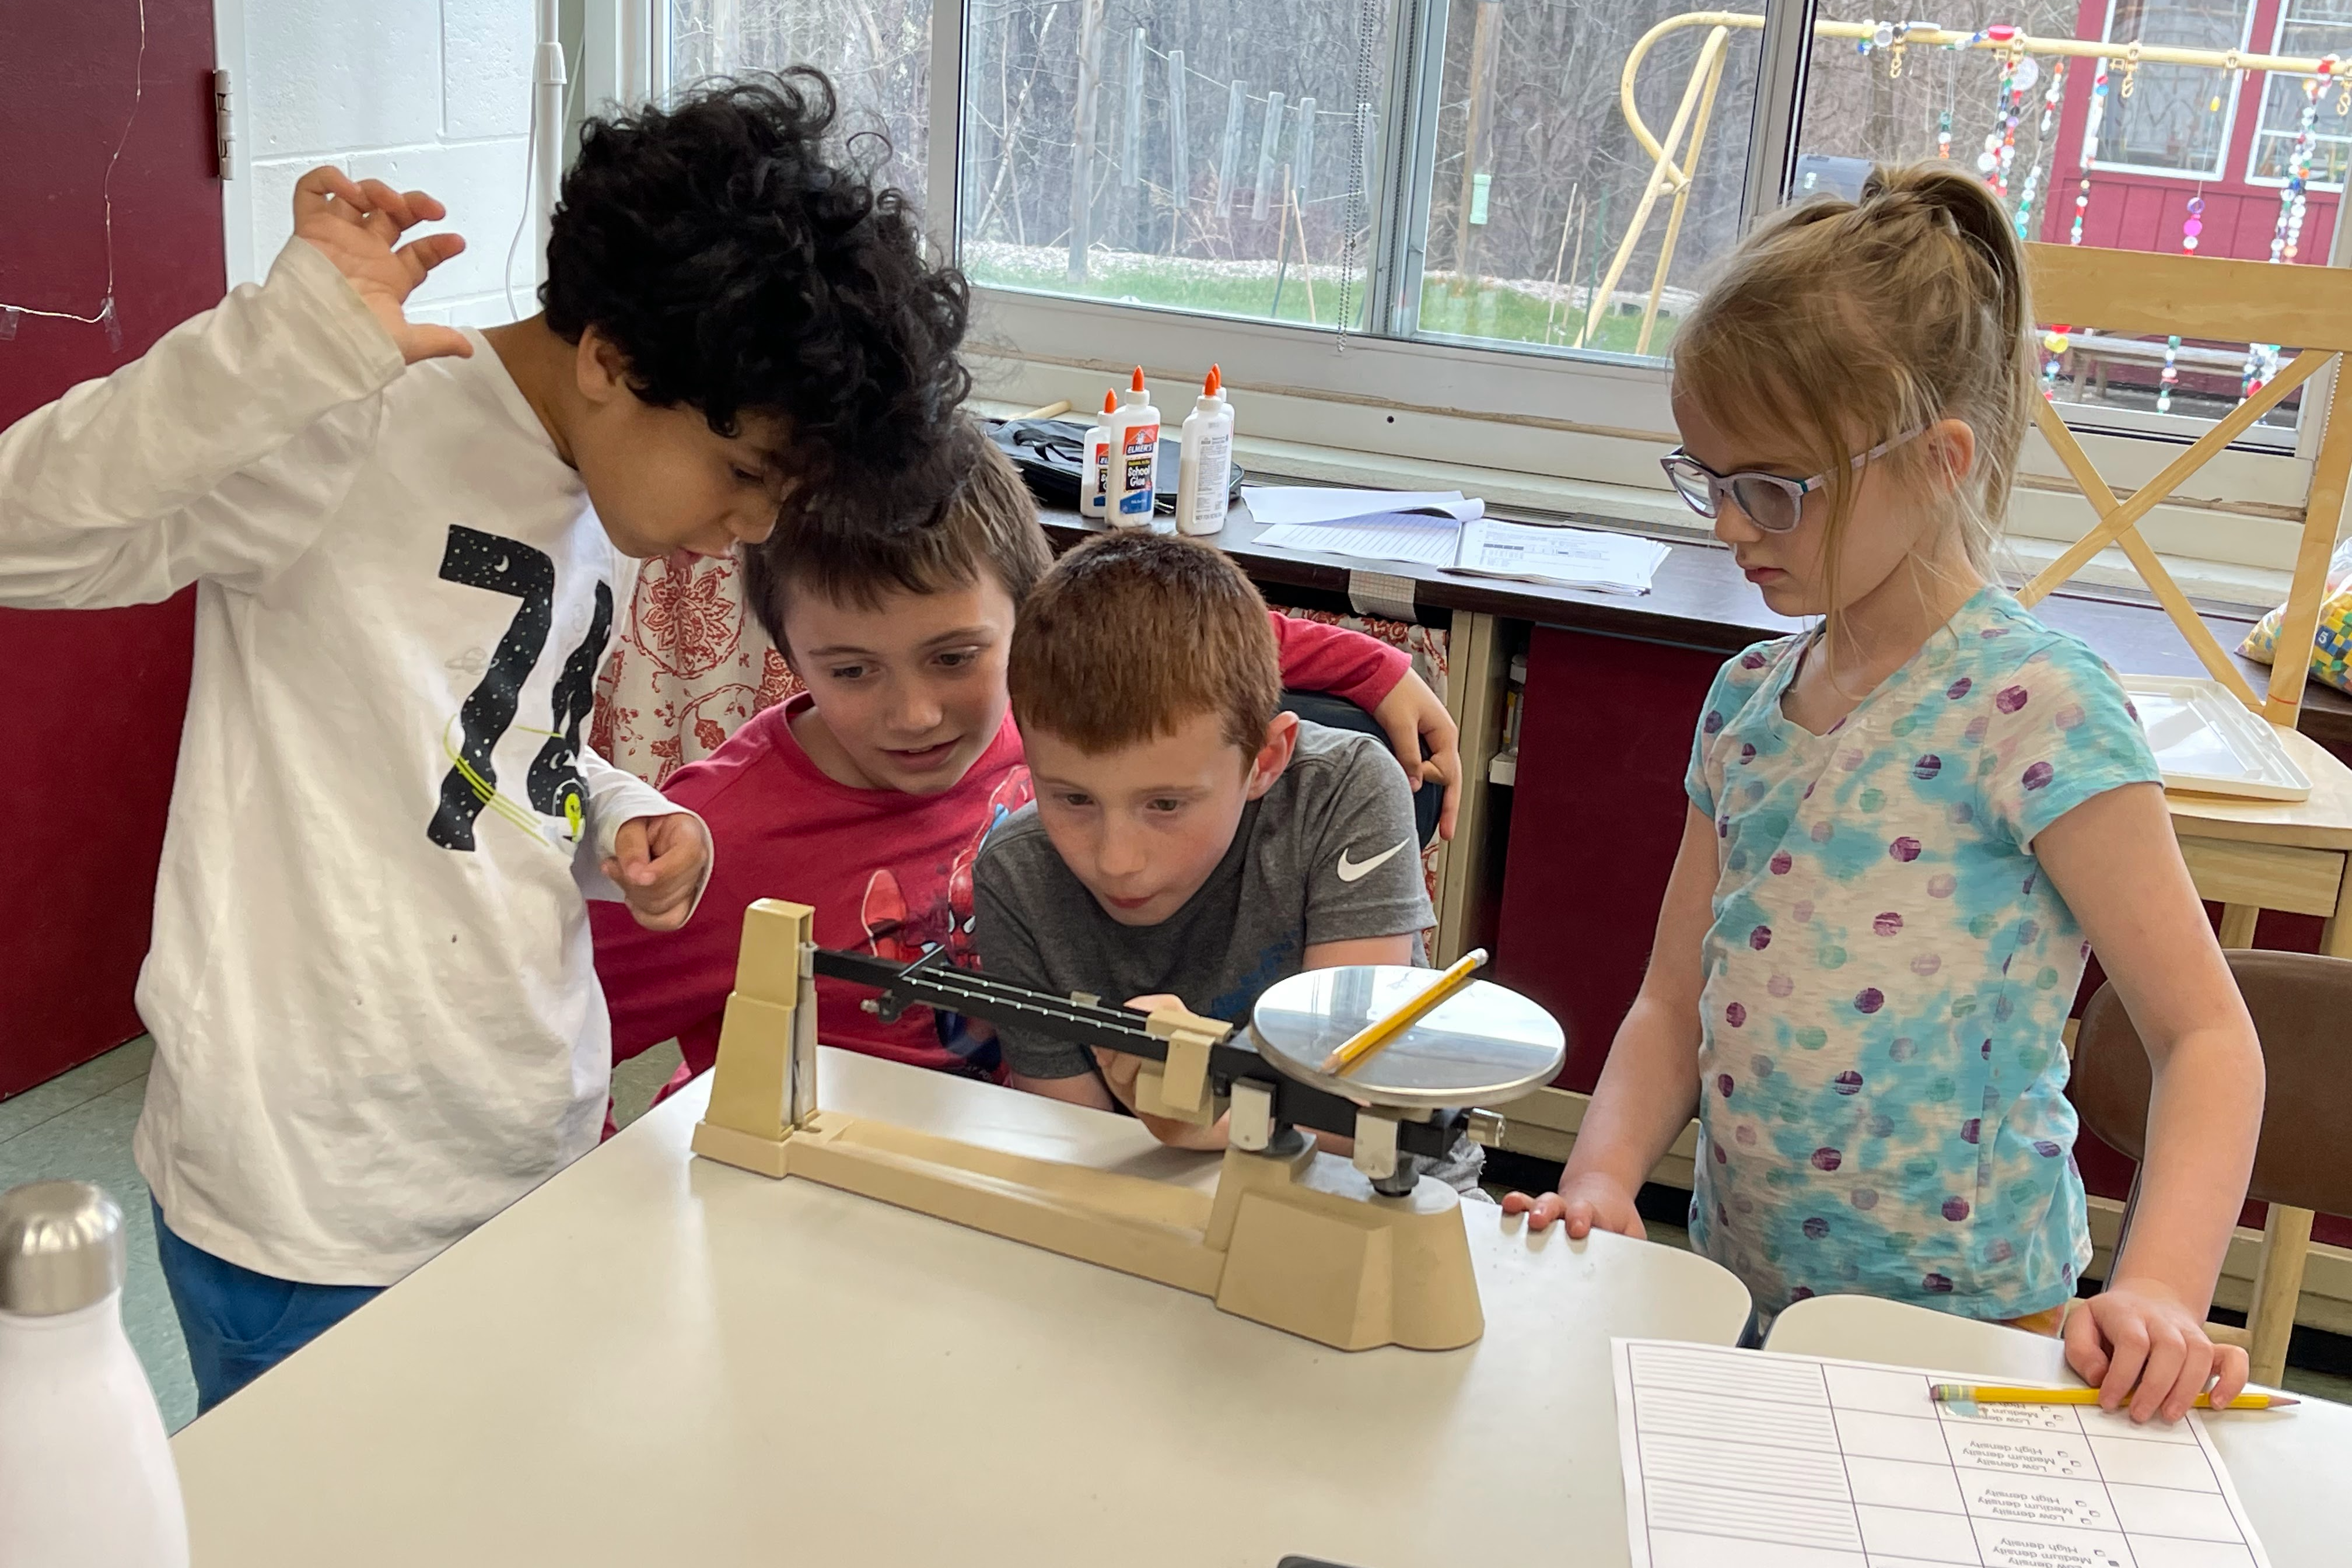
column 2155, row 1551
column 1889, row 1392
column 2171, row 1512
column 2007, row 1545
column 1902, row 1483
column 1688, row 1549
column 1892, row 1437
column 1917, row 1537
column 2135, row 1462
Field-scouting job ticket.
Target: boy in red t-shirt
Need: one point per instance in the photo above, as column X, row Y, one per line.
column 867, row 796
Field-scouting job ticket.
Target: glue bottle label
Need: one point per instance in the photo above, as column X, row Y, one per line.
column 1210, row 498
column 1142, row 447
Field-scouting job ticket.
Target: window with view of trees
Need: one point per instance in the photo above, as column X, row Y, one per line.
column 1559, row 175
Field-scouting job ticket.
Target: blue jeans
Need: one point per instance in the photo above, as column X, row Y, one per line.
column 239, row 1324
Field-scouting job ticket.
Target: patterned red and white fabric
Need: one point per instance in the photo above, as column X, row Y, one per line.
column 687, row 668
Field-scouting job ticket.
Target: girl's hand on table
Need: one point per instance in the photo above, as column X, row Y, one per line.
column 2138, row 1341
column 1587, row 1203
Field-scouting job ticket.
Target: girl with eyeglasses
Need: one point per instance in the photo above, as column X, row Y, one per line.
column 1908, row 827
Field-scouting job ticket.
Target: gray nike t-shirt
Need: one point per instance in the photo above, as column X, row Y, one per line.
column 1328, row 854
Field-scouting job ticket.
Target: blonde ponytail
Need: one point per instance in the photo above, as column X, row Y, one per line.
column 1838, row 324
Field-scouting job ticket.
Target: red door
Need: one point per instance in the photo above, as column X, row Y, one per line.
column 100, row 129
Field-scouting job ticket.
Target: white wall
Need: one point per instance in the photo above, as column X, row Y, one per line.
column 431, row 95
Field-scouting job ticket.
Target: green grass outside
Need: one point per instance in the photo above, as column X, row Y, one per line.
column 1485, row 310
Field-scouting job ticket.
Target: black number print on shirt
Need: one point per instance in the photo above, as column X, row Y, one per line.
column 480, row 560
column 554, row 781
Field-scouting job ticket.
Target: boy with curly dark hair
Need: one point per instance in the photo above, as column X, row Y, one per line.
column 370, row 977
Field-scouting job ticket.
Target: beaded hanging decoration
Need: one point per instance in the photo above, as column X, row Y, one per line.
column 2287, row 232
column 2168, row 377
column 2049, row 101
column 2054, row 343
column 2018, row 74
column 2091, row 121
column 2194, row 224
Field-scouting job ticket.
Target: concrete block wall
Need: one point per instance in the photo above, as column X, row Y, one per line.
column 430, row 95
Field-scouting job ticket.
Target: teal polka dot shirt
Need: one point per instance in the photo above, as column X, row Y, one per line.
column 1883, row 1104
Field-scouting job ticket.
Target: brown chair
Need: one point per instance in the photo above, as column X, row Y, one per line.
column 2302, row 1008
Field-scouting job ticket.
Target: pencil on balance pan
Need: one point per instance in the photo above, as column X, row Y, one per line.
column 1970, row 1394
column 1380, row 1031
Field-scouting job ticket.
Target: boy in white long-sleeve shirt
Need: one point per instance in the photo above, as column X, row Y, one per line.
column 370, row 978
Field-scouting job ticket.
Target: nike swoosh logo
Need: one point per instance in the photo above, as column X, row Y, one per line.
column 1352, row 870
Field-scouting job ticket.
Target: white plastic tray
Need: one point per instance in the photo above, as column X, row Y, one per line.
column 2208, row 741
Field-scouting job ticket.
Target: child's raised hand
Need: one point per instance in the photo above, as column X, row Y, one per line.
column 1413, row 717
column 658, row 863
column 2138, row 1341
column 355, row 226
column 1587, row 1204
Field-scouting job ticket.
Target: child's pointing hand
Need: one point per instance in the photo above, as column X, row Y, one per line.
column 660, row 864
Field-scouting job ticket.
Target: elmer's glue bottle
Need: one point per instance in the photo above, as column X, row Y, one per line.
column 1094, row 471
column 1204, row 470
column 1134, row 455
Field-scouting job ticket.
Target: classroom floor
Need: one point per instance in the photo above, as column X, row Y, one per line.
column 79, row 1127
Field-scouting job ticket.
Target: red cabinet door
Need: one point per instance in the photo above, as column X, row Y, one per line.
column 107, row 172
column 1597, row 815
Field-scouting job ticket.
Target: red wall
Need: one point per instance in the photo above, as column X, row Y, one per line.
column 1595, row 818
column 91, row 722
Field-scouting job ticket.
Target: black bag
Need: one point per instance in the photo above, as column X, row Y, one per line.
column 1050, row 452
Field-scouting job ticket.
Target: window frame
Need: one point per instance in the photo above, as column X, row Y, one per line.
column 2262, row 106
column 1592, row 425
column 2235, row 96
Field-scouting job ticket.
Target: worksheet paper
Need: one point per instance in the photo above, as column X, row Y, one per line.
column 1393, row 536
column 1485, row 547
column 1572, row 557
column 1277, row 504
column 1782, row 1461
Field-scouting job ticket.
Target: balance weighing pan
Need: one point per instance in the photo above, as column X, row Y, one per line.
column 1481, row 1046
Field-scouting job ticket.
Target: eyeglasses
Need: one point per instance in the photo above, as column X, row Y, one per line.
column 1771, row 502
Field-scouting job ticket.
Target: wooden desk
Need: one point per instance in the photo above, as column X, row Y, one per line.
column 2263, row 855
column 657, row 1360
column 2289, row 1466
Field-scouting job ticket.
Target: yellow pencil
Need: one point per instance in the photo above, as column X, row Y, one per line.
column 1966, row 1394
column 1379, row 1032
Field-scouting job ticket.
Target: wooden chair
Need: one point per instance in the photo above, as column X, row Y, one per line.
column 2247, row 856
column 2302, row 1008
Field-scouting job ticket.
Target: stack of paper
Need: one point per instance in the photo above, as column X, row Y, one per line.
column 1451, row 533
column 1301, row 505
column 1576, row 557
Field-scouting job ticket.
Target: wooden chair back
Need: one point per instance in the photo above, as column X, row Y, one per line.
column 2309, row 310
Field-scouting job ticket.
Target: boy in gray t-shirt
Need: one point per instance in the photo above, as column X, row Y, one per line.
column 1188, row 841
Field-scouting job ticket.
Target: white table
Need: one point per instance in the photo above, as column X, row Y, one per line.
column 2291, row 1466
column 660, row 1360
